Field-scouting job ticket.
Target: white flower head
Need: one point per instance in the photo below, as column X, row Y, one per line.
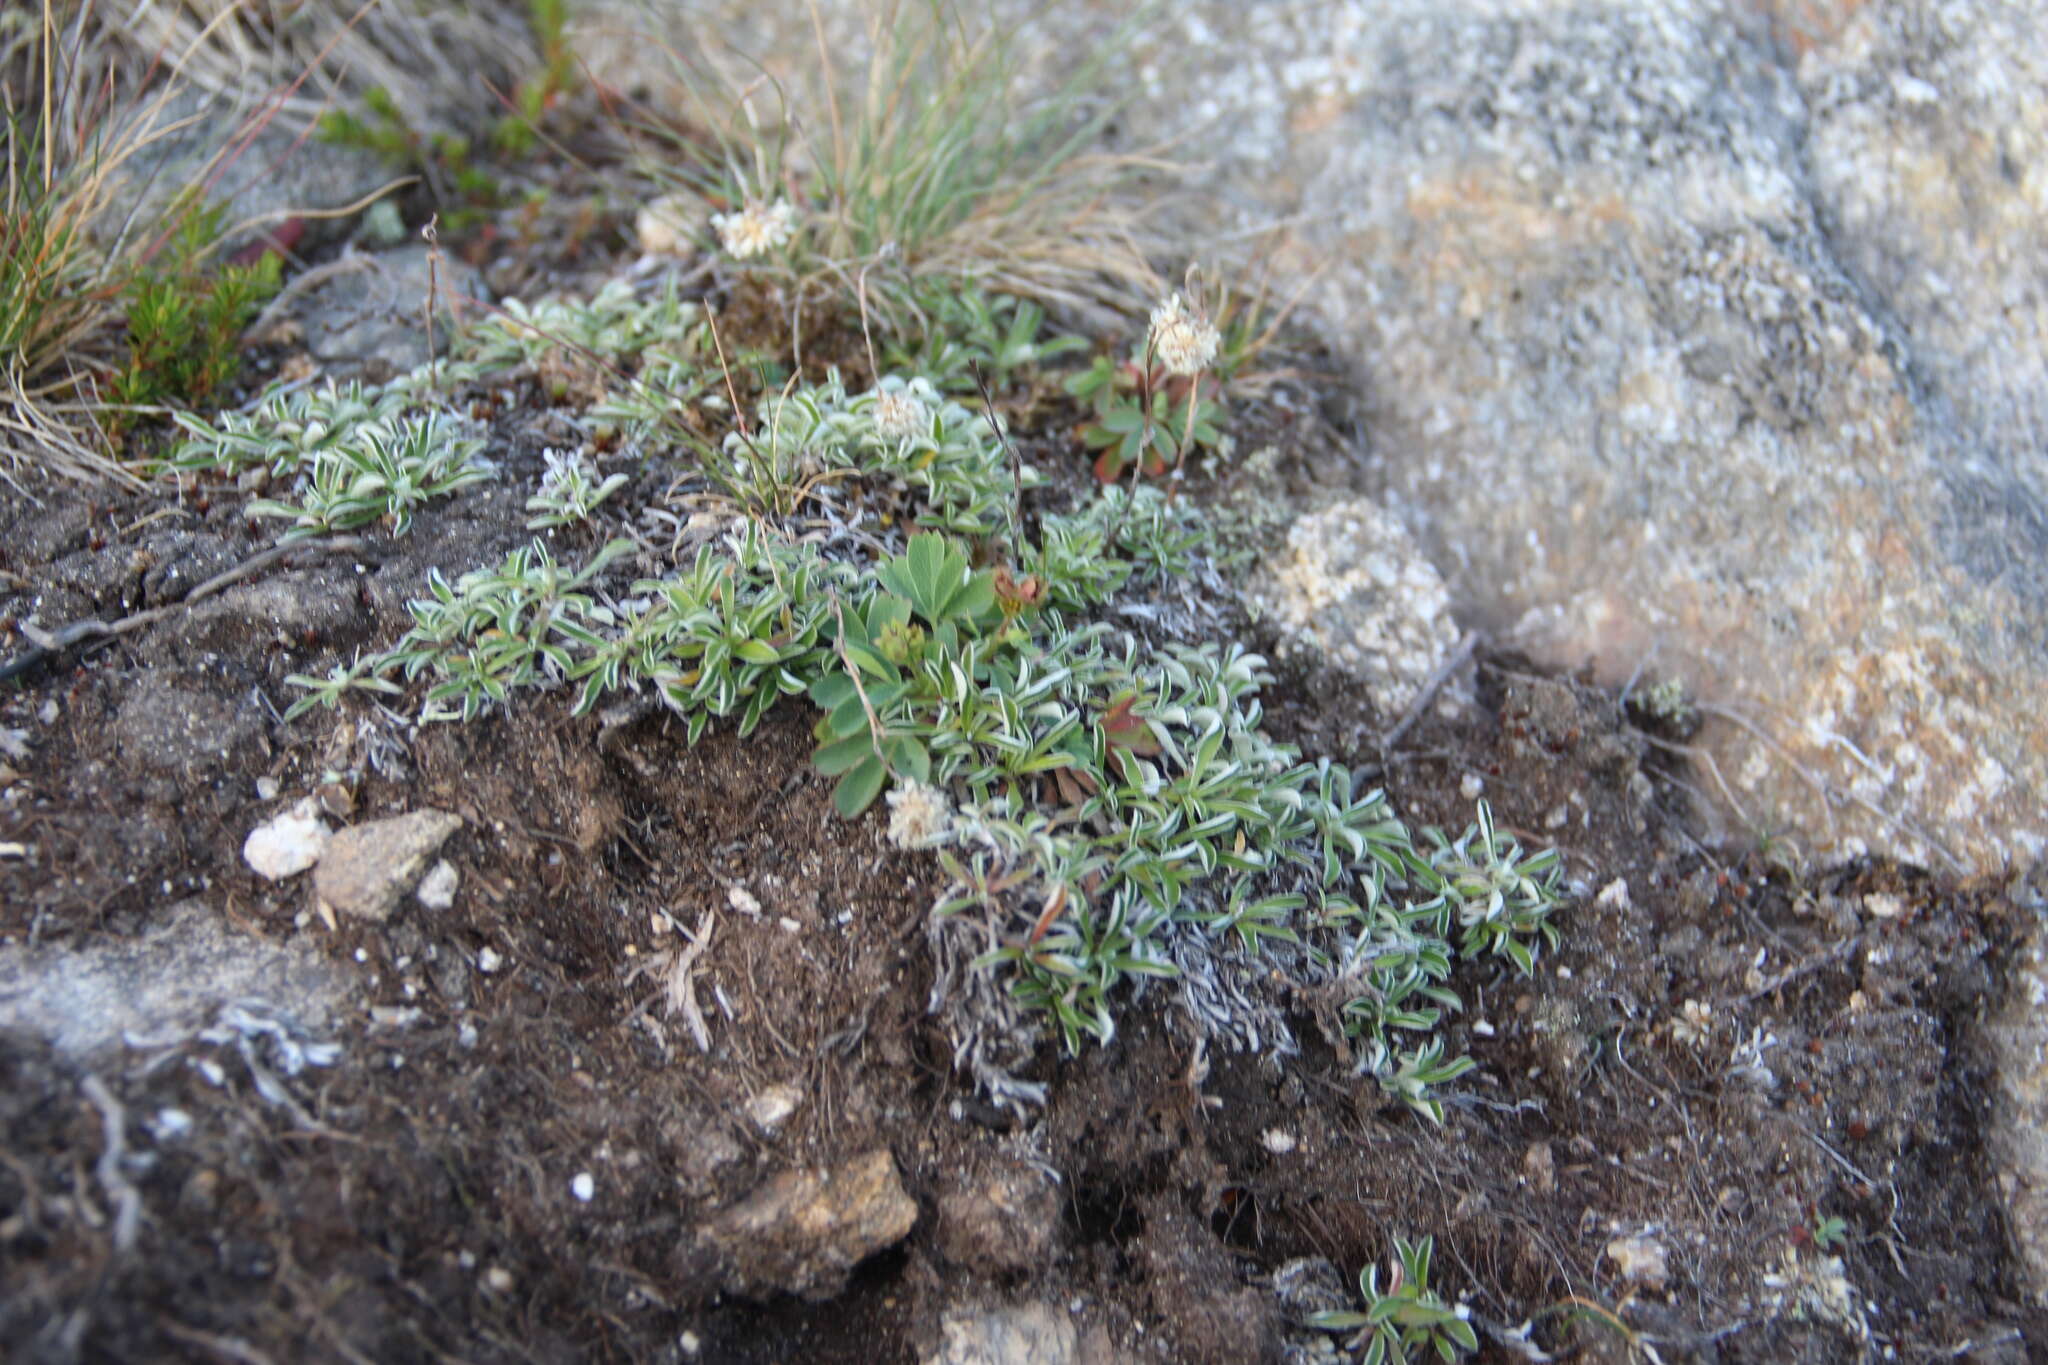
column 919, row 815
column 756, row 229
column 899, row 415
column 1693, row 1025
column 1182, row 338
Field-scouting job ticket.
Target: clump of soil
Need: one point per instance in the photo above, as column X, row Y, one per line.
column 672, row 985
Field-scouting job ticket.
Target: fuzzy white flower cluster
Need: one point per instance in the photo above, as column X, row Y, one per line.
column 919, row 815
column 756, row 229
column 1693, row 1025
column 899, row 415
column 564, row 468
column 1184, row 341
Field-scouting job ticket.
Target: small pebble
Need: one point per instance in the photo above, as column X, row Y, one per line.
column 743, row 901
column 488, row 960
column 170, row 1124
column 1471, row 786
column 287, row 844
column 773, row 1106
column 498, row 1280
column 583, row 1187
column 436, row 890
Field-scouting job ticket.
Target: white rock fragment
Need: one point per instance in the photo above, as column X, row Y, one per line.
column 1613, row 896
column 168, row 1125
column 1471, row 785
column 742, row 900
column 1881, row 906
column 437, row 889
column 498, row 1280
column 266, row 788
column 488, row 960
column 1640, row 1260
column 583, row 1187
column 287, row 844
column 1278, row 1141
column 665, row 225
column 770, row 1109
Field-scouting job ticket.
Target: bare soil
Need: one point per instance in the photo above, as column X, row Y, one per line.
column 415, row 1200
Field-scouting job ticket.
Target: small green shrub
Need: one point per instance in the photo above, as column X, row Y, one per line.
column 517, row 132
column 1106, row 810
column 184, row 321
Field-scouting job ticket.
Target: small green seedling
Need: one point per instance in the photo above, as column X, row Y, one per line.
column 1406, row 1316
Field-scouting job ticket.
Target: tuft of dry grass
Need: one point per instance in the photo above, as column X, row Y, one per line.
column 923, row 158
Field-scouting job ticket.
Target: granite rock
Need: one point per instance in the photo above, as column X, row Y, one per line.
column 160, row 987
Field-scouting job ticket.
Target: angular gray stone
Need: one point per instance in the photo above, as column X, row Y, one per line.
column 370, row 314
column 277, row 174
column 368, row 868
column 163, row 986
column 802, row 1232
column 1703, row 337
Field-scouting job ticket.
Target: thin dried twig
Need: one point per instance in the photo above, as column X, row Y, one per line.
column 682, row 982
